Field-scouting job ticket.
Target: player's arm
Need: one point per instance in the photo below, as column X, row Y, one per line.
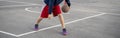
column 68, row 2
column 50, row 6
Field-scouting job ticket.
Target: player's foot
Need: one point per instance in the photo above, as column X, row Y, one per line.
column 36, row 27
column 64, row 31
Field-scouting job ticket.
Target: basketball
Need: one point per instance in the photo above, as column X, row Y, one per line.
column 65, row 8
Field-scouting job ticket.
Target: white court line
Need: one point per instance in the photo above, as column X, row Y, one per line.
column 28, row 9
column 113, row 14
column 14, row 6
column 28, row 4
column 94, row 11
column 60, row 24
column 51, row 26
column 20, row 2
column 47, row 27
column 8, row 33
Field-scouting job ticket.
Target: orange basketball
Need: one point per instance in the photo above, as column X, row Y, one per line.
column 65, row 8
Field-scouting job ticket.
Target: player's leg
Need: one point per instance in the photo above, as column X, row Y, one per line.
column 44, row 14
column 61, row 20
column 62, row 23
column 57, row 12
column 37, row 22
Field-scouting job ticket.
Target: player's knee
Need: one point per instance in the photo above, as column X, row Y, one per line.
column 59, row 14
column 40, row 17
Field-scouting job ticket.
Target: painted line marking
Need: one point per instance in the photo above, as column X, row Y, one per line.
column 14, row 6
column 112, row 14
column 28, row 9
column 60, row 24
column 26, row 4
column 51, row 26
column 21, row 2
column 8, row 33
column 94, row 11
column 47, row 27
column 43, row 28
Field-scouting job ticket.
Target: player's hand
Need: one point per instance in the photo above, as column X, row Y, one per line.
column 49, row 16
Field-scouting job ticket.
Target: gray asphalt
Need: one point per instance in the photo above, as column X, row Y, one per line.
column 16, row 20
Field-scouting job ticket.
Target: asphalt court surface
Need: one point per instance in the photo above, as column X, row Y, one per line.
column 89, row 19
